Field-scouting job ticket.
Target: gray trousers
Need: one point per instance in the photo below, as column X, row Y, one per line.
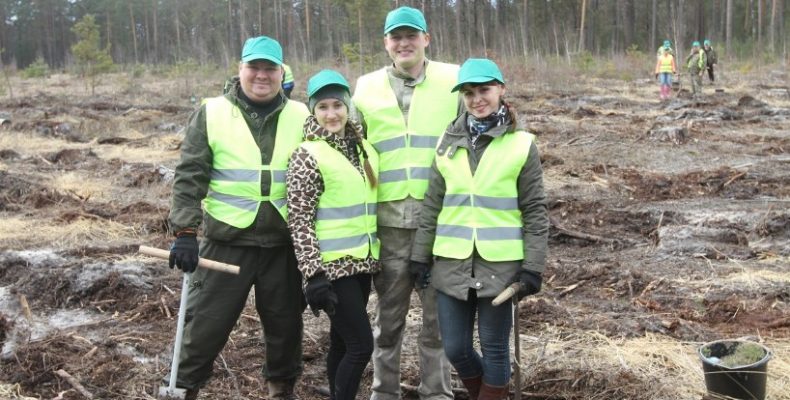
column 394, row 286
column 696, row 82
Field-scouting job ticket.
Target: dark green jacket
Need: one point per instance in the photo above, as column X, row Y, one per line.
column 192, row 176
column 455, row 277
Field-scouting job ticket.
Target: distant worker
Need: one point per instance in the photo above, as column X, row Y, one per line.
column 667, row 45
column 712, row 59
column 288, row 80
column 665, row 68
column 695, row 63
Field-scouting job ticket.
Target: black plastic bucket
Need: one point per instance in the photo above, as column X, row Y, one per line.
column 746, row 382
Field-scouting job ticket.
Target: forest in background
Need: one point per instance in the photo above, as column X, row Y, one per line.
column 211, row 32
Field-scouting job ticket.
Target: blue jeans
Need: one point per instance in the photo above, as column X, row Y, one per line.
column 456, row 324
column 665, row 78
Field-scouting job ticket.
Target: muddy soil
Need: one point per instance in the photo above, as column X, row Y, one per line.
column 670, row 220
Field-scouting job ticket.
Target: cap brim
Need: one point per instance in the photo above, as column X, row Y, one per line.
column 401, row 25
column 253, row 57
column 476, row 79
column 318, row 89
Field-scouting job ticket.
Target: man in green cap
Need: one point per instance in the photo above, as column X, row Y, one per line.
column 405, row 108
column 696, row 63
column 231, row 177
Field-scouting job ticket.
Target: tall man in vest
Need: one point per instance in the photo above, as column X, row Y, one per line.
column 233, row 161
column 405, row 108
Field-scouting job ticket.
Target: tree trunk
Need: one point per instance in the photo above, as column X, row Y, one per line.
column 134, row 30
column 653, row 25
column 728, row 28
column 309, row 47
column 156, row 31
column 524, row 14
column 581, row 25
column 178, row 32
column 772, row 32
column 760, row 26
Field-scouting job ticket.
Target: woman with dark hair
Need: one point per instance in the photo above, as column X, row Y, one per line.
column 331, row 182
column 483, row 226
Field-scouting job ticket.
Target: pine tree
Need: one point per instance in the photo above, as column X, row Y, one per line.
column 91, row 59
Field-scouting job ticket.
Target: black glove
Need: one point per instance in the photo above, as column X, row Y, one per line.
column 184, row 253
column 656, row 76
column 421, row 273
column 319, row 295
column 530, row 283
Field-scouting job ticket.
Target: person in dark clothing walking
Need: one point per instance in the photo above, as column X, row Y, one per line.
column 231, row 177
column 332, row 199
column 711, row 58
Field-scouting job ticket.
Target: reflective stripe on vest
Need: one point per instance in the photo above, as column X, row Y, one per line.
column 481, row 210
column 665, row 65
column 407, row 148
column 234, row 194
column 346, row 215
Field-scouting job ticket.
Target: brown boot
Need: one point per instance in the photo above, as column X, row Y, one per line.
column 191, row 394
column 472, row 386
column 282, row 389
column 488, row 392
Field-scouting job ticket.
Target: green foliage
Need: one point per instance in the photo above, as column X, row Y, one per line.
column 91, row 59
column 584, row 61
column 351, row 53
column 37, row 69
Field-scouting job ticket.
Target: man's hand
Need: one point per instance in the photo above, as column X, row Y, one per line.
column 421, row 273
column 184, row 253
column 319, row 295
column 530, row 283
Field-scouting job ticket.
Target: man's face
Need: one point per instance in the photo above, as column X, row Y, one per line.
column 261, row 80
column 406, row 46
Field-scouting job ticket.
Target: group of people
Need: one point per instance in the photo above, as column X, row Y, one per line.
column 422, row 180
column 699, row 60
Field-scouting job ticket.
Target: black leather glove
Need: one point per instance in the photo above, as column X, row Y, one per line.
column 184, row 253
column 530, row 283
column 319, row 295
column 422, row 274
column 656, row 76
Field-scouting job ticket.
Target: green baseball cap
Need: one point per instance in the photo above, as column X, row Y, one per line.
column 262, row 48
column 405, row 16
column 706, row 42
column 478, row 70
column 667, row 43
column 325, row 78
column 695, row 44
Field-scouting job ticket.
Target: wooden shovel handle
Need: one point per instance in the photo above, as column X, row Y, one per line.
column 506, row 294
column 202, row 262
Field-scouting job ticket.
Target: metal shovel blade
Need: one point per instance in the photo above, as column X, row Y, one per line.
column 166, row 393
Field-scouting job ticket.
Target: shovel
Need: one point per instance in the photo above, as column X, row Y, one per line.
column 171, row 391
column 506, row 294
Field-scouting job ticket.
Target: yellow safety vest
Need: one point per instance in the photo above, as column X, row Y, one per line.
column 346, row 216
column 665, row 64
column 481, row 210
column 288, row 75
column 234, row 194
column 406, row 148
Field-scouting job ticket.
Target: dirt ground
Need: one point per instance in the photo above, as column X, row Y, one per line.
column 670, row 228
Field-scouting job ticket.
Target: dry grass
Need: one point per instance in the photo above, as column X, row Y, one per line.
column 658, row 367
column 16, row 233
